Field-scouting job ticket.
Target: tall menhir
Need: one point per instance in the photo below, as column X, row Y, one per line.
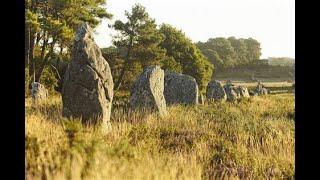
column 87, row 90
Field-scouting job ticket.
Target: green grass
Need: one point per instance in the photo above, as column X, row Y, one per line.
column 263, row 74
column 253, row 138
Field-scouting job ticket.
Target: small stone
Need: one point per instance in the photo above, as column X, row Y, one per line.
column 216, row 92
column 260, row 90
column 38, row 91
column 242, row 92
column 231, row 92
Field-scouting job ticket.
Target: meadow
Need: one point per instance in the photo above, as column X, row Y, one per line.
column 250, row 139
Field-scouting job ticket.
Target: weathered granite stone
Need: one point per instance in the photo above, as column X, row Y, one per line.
column 215, row 91
column 147, row 91
column 242, row 92
column 260, row 90
column 180, row 89
column 87, row 90
column 231, row 92
column 38, row 91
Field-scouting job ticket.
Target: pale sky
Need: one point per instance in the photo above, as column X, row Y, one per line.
column 271, row 22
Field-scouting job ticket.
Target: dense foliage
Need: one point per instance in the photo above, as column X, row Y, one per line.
column 139, row 43
column 281, row 61
column 185, row 55
column 230, row 52
column 50, row 28
column 140, row 39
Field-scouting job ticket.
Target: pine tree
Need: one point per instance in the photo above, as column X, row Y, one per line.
column 140, row 38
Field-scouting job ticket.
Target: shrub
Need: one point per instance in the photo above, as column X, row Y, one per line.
column 49, row 79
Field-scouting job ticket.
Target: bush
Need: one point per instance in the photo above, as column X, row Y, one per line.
column 170, row 64
column 48, row 78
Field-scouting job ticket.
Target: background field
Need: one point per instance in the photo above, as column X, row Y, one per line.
column 253, row 138
column 263, row 73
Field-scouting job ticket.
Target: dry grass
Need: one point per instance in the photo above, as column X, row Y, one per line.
column 266, row 83
column 250, row 139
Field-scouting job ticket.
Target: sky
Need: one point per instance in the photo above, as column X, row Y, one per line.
column 271, row 22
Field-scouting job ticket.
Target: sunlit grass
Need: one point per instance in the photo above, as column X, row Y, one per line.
column 253, row 138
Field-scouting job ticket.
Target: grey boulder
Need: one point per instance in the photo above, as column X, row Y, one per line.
column 242, row 92
column 87, row 90
column 231, row 92
column 180, row 89
column 38, row 91
column 260, row 90
column 147, row 91
column 215, row 91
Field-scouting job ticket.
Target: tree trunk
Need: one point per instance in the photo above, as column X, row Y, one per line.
column 27, row 46
column 61, row 50
column 38, row 37
column 44, row 46
column 125, row 66
column 45, row 60
column 31, row 52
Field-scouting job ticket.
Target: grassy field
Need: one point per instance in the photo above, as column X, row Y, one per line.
column 253, row 138
column 263, row 74
column 272, row 86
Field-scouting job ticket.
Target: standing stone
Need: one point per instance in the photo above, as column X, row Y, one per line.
column 180, row 89
column 265, row 91
column 231, row 92
column 147, row 91
column 87, row 90
column 38, row 91
column 260, row 90
column 242, row 92
column 215, row 91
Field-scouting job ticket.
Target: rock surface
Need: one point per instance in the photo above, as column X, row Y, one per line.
column 231, row 92
column 242, row 92
column 38, row 91
column 215, row 91
column 147, row 91
column 87, row 90
column 180, row 89
column 260, row 90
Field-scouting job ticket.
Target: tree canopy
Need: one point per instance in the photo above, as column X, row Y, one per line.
column 51, row 25
column 230, row 52
column 140, row 38
column 140, row 42
column 186, row 57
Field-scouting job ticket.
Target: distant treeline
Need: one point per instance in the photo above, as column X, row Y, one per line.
column 281, row 61
column 230, row 52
